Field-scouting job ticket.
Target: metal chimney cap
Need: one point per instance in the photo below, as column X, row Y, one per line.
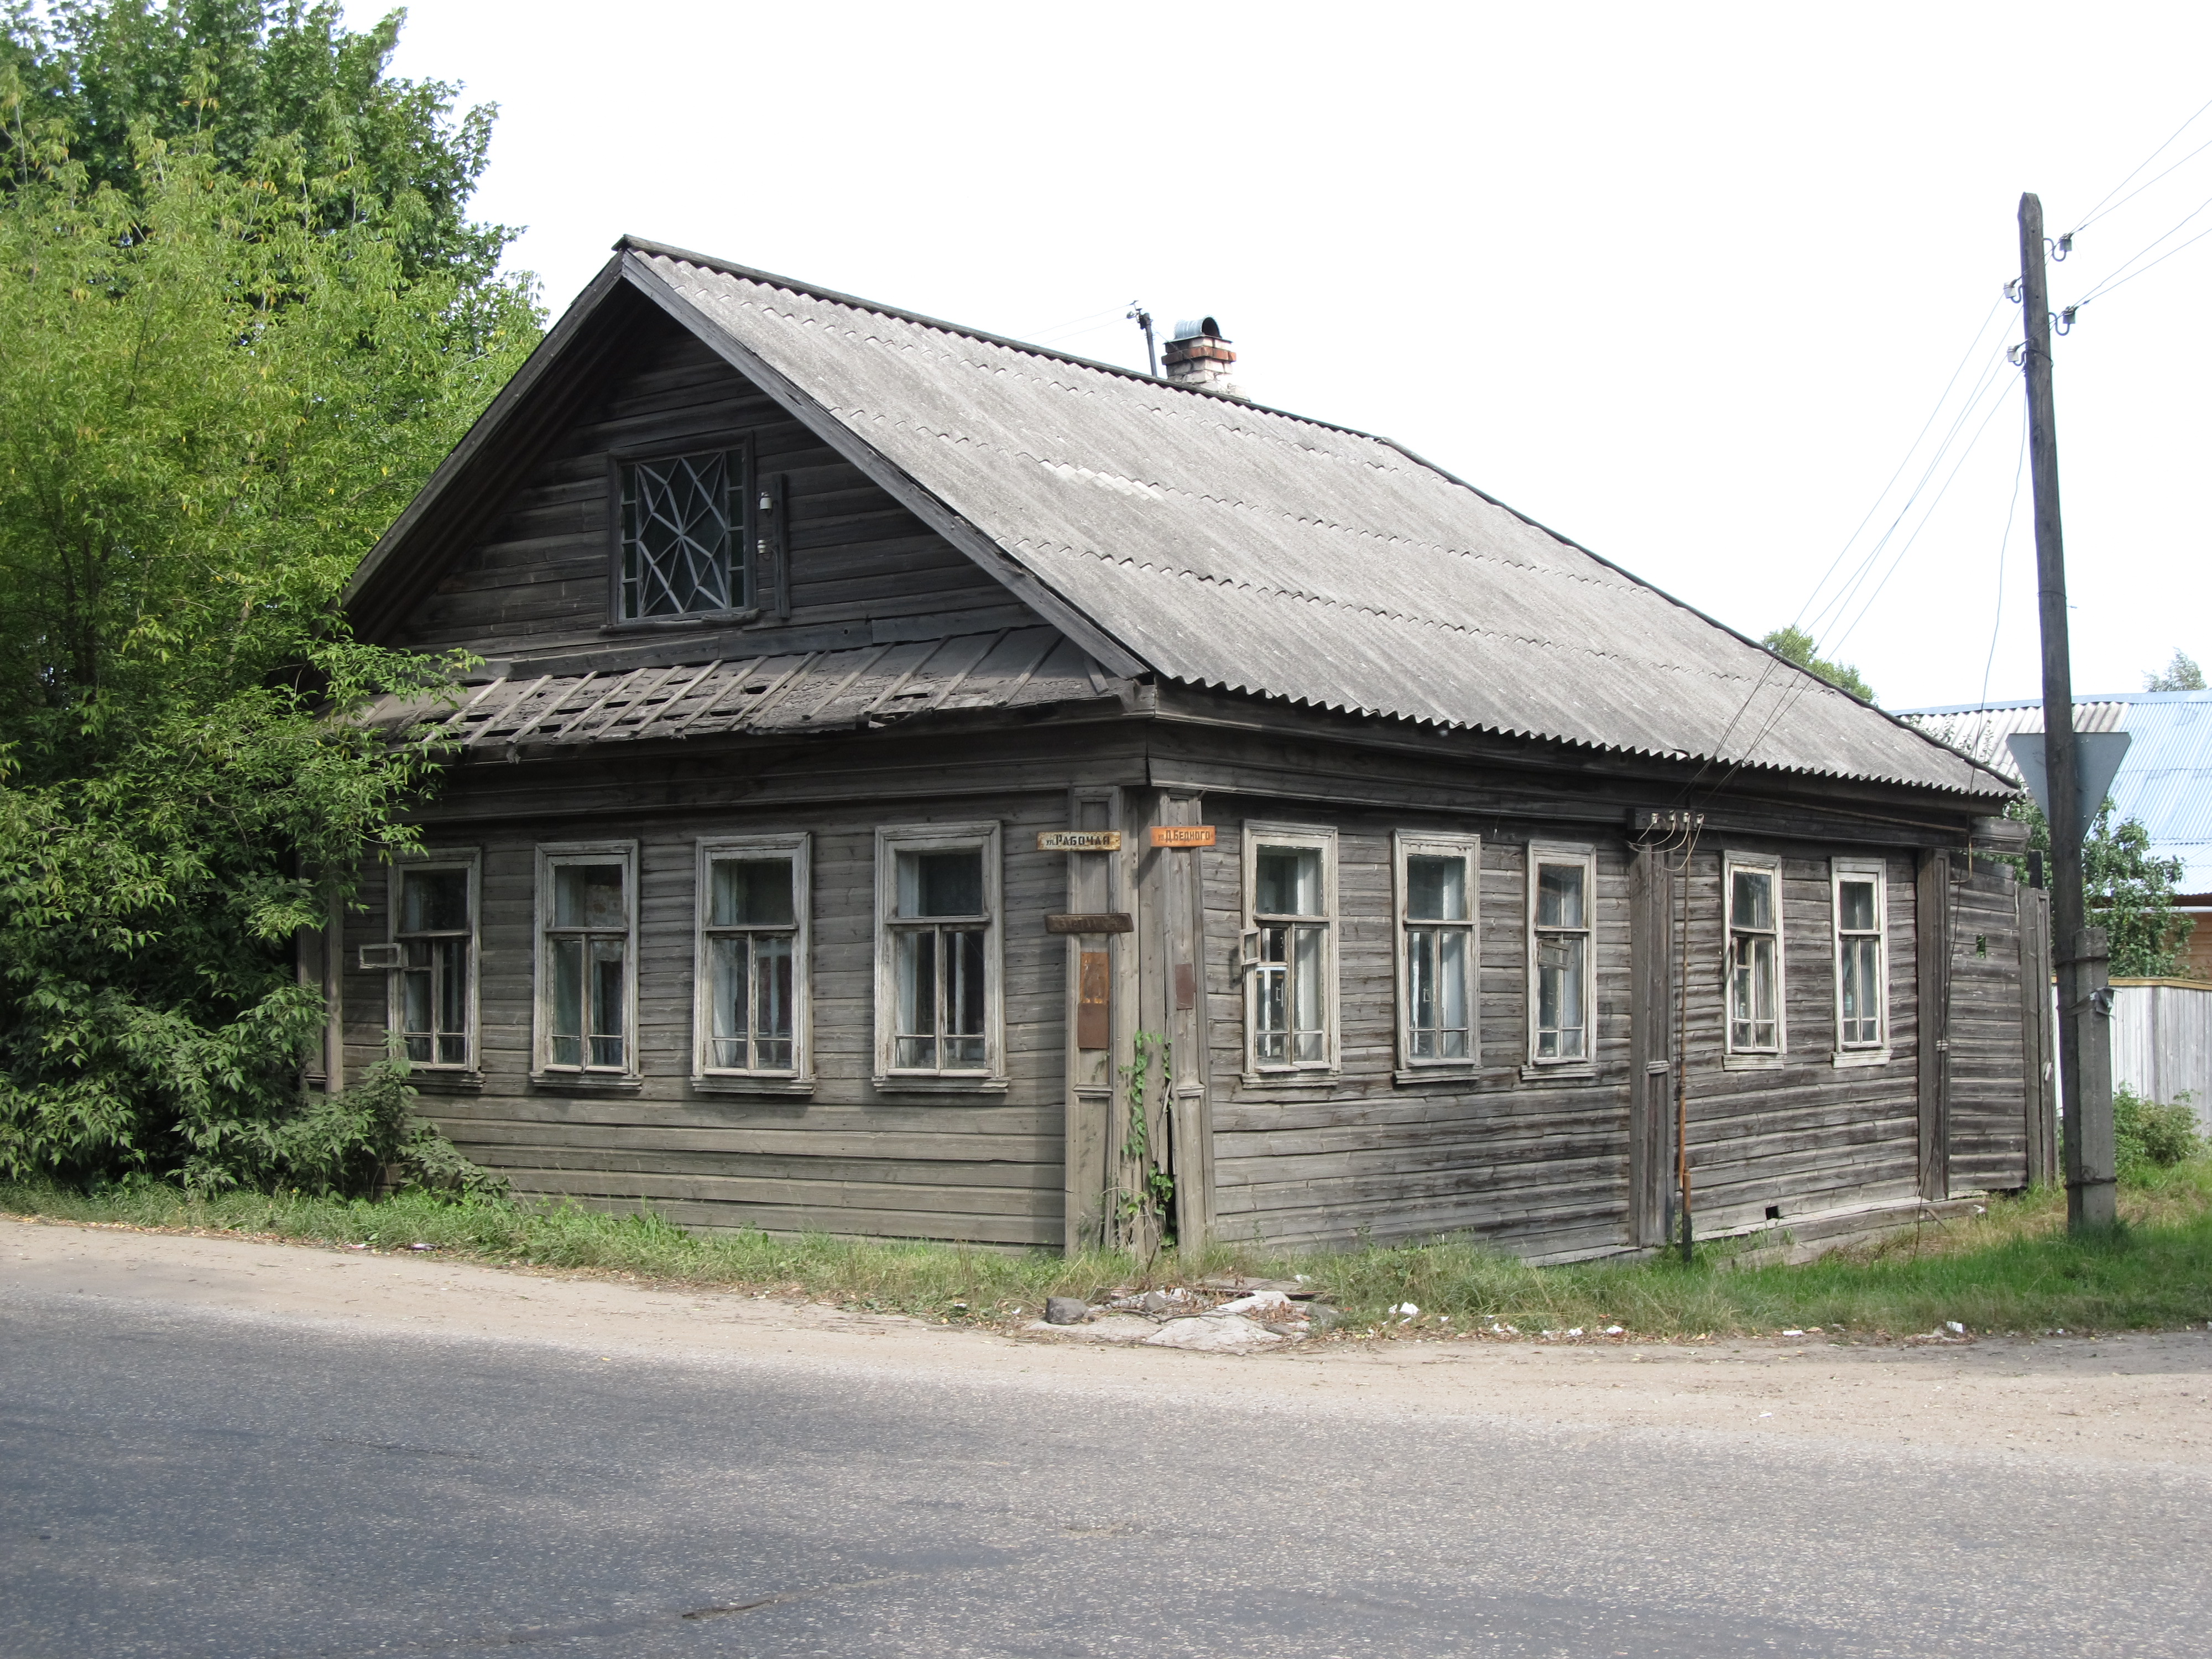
column 1197, row 328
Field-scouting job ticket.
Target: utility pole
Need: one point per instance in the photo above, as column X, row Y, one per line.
column 2085, row 1047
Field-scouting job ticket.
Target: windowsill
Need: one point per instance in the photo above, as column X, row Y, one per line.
column 587, row 1083
column 1449, row 1070
column 1579, row 1070
column 735, row 1082
column 700, row 619
column 955, row 1083
column 442, row 1081
column 1752, row 1062
column 1288, row 1078
column 1861, row 1057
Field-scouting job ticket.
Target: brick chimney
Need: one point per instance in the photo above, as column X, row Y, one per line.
column 1198, row 355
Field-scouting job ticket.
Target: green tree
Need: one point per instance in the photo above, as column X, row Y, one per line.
column 2181, row 674
column 1795, row 645
column 2128, row 892
column 231, row 76
column 214, row 394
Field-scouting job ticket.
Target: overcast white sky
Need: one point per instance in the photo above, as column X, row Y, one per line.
column 1682, row 283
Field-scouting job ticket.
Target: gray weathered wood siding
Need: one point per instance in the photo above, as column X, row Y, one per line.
column 538, row 584
column 1989, row 1075
column 1542, row 1167
column 983, row 1168
column 1807, row 1135
column 1537, row 1166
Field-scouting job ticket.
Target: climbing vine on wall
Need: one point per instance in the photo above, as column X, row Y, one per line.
column 1151, row 1198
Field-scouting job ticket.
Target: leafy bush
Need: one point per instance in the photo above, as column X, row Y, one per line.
column 339, row 1146
column 216, row 389
column 2147, row 1135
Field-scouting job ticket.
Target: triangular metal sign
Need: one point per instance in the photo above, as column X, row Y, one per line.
column 2097, row 757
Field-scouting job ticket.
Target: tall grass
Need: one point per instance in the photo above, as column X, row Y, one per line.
column 2013, row 1269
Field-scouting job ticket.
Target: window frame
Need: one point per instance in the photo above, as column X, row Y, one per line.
column 1584, row 855
column 1322, row 838
column 1405, row 844
column 1841, row 870
column 891, row 839
column 551, row 857
column 742, row 485
column 1732, row 1057
column 423, row 860
column 797, row 1077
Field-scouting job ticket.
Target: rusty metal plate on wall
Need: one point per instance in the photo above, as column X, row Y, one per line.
column 1094, row 998
column 1183, row 834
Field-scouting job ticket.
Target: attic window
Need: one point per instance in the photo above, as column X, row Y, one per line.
column 682, row 523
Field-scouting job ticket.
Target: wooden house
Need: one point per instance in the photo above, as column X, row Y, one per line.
column 920, row 784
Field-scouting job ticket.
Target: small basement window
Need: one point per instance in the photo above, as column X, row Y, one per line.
column 940, row 1000
column 684, row 536
column 1753, row 897
column 752, row 972
column 587, row 959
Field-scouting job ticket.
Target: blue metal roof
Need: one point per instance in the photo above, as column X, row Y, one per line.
column 2164, row 782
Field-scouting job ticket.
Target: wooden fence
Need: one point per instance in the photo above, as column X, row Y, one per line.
column 2162, row 1040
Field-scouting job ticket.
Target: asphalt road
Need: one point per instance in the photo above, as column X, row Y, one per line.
column 195, row 1481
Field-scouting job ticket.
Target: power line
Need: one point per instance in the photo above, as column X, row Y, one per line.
column 1792, row 694
column 2139, row 189
column 1904, row 461
column 1844, row 595
column 2097, row 211
column 2004, row 544
column 1925, row 518
column 1766, row 672
column 2117, row 279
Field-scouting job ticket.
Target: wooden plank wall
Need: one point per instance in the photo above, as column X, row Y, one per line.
column 1539, row 1167
column 1808, row 1135
column 538, row 585
column 1989, row 1074
column 985, row 1169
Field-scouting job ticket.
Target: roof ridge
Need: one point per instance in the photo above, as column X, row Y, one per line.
column 630, row 244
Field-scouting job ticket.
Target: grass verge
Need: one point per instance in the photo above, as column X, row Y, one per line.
column 2014, row 1269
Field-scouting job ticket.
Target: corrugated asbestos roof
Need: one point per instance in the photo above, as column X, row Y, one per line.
column 801, row 692
column 1229, row 545
column 2165, row 780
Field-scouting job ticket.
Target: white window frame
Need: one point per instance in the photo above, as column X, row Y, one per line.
column 1409, row 844
column 422, row 861
column 1298, row 836
column 1541, row 852
column 552, row 856
column 1876, row 1053
column 1733, row 1057
column 891, row 839
column 797, row 1077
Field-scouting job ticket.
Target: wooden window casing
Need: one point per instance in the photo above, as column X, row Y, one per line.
column 585, row 962
column 940, row 969
column 1754, row 1010
column 752, row 974
column 1562, row 953
column 1436, row 881
column 432, row 1019
column 1291, row 1018
column 686, row 532
column 1859, row 895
